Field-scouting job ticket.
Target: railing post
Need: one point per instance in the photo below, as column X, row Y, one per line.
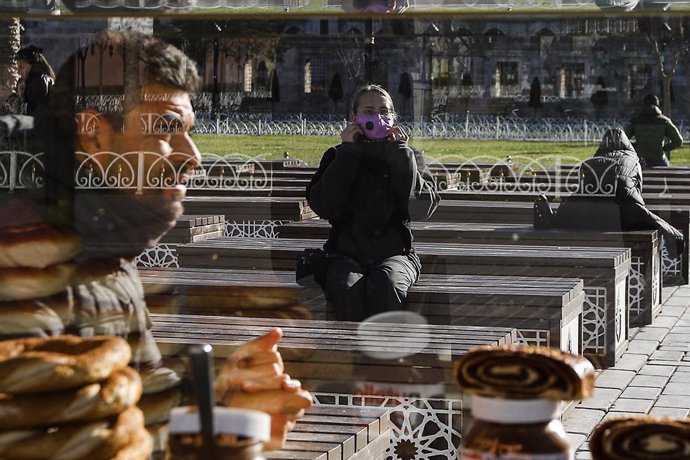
column 13, row 170
column 557, row 174
column 586, row 134
column 498, row 127
column 140, row 174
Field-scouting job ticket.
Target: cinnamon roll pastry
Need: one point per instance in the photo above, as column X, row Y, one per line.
column 641, row 438
column 525, row 372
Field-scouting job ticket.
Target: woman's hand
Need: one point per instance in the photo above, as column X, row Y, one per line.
column 397, row 134
column 351, row 133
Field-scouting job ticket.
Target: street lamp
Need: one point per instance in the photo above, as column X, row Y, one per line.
column 216, row 54
column 368, row 49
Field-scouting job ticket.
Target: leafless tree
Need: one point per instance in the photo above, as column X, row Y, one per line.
column 10, row 40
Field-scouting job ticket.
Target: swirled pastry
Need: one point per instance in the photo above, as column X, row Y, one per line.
column 525, row 372
column 641, row 438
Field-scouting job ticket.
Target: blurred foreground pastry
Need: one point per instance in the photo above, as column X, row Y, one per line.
column 525, row 372
column 70, row 398
column 641, row 437
column 515, row 393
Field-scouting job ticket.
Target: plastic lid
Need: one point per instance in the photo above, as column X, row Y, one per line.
column 226, row 420
column 515, row 411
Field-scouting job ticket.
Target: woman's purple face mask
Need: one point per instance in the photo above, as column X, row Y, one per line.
column 375, row 126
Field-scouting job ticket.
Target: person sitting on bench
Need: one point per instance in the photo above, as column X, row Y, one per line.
column 609, row 197
column 370, row 187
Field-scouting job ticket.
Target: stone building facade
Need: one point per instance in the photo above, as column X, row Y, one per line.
column 431, row 65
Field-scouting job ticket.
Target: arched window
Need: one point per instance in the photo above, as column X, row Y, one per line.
column 248, row 75
column 307, row 76
column 262, row 76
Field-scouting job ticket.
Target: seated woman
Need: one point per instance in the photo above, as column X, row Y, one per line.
column 614, row 173
column 370, row 187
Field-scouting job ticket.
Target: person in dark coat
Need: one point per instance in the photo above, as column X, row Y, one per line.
column 655, row 134
column 613, row 172
column 370, row 187
column 37, row 76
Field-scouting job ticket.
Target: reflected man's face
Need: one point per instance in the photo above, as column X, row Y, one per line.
column 154, row 147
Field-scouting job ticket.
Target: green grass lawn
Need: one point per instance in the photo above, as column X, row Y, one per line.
column 310, row 149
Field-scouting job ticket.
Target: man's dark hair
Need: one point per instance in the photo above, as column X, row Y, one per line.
column 155, row 62
column 651, row 99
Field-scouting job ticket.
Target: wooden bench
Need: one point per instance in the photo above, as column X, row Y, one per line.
column 284, row 191
column 337, row 433
column 250, row 208
column 545, row 311
column 649, row 182
column 251, row 293
column 644, row 301
column 334, row 355
column 266, row 179
column 191, row 228
column 187, row 229
column 342, row 368
column 251, row 215
column 605, row 272
column 513, row 209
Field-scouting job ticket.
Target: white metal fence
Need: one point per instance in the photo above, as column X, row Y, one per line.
column 472, row 127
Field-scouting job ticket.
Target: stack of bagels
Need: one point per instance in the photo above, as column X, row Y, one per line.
column 35, row 261
column 45, row 293
column 70, row 398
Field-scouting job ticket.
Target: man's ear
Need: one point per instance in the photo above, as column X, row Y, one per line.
column 94, row 132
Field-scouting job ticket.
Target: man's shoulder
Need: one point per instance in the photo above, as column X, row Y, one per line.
column 665, row 119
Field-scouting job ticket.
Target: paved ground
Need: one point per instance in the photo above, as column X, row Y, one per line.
column 652, row 377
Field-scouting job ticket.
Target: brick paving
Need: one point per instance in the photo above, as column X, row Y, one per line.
column 652, row 377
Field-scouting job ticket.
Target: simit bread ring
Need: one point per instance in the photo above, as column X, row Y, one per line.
column 91, row 402
column 641, row 438
column 41, row 365
column 29, row 283
column 93, row 441
column 36, row 245
column 157, row 406
column 525, row 372
column 139, row 448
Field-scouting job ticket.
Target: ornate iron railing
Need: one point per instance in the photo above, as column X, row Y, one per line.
column 472, row 127
column 140, row 171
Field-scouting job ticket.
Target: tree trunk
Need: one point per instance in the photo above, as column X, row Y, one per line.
column 10, row 40
column 666, row 82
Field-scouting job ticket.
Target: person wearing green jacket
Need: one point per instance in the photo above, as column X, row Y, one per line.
column 654, row 134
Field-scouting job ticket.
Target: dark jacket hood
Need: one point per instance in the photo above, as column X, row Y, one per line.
column 614, row 140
